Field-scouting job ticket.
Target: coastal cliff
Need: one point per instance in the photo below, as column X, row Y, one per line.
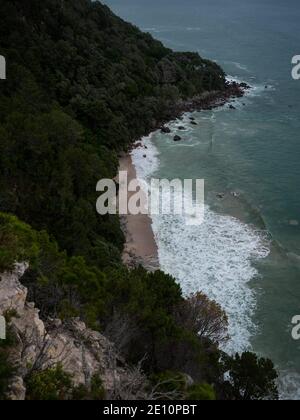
column 82, row 353
column 82, row 86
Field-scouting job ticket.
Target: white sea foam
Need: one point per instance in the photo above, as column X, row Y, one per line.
column 289, row 385
column 145, row 167
column 215, row 257
column 239, row 66
column 194, row 29
column 256, row 89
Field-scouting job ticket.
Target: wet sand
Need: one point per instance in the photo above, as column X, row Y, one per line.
column 140, row 247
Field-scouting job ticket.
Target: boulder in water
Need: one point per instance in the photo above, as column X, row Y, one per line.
column 166, row 130
column 177, row 138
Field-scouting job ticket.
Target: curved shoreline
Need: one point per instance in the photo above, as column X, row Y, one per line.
column 140, row 247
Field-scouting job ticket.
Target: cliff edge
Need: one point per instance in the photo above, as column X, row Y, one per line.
column 81, row 352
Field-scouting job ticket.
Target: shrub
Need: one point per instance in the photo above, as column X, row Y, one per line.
column 201, row 392
column 49, row 384
column 6, row 372
column 18, row 242
column 95, row 392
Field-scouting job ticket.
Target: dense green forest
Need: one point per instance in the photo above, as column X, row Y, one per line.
column 81, row 86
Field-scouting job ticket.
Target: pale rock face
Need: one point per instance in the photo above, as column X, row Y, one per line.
column 12, row 294
column 82, row 352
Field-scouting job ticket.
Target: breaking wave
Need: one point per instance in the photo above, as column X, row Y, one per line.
column 215, row 257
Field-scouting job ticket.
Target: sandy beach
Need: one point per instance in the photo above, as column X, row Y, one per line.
column 140, row 247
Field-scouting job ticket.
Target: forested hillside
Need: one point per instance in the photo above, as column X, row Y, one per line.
column 81, row 86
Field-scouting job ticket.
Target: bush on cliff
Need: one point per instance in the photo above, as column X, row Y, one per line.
column 17, row 242
column 251, row 378
column 50, row 384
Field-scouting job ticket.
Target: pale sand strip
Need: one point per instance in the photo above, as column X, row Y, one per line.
column 140, row 247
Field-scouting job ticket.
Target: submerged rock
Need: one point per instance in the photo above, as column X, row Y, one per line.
column 244, row 85
column 177, row 138
column 235, row 194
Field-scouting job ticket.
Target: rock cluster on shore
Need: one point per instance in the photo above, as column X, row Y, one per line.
column 165, row 130
column 205, row 102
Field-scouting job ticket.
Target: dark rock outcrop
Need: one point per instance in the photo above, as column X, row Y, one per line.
column 177, row 138
column 165, row 130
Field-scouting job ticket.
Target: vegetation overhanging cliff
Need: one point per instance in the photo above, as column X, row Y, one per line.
column 82, row 85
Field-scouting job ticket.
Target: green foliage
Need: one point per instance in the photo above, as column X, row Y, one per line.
column 150, row 297
column 60, row 285
column 82, row 85
column 6, row 371
column 201, row 392
column 54, row 176
column 55, row 384
column 149, row 304
column 95, row 392
column 176, row 385
column 65, row 287
column 50, row 384
column 251, row 378
column 17, row 242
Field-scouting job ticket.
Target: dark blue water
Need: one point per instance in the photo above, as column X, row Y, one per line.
column 254, row 150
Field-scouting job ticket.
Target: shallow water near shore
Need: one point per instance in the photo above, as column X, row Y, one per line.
column 246, row 254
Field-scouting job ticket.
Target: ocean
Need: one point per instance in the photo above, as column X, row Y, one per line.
column 246, row 255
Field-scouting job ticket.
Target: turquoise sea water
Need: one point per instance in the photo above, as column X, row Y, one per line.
column 247, row 253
